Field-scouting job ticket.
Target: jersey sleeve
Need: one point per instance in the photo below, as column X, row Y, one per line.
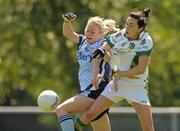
column 145, row 48
column 81, row 40
column 112, row 38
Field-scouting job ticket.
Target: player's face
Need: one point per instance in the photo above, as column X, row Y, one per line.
column 93, row 33
column 132, row 28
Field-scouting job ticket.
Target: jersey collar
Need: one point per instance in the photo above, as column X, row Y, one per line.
column 97, row 44
column 142, row 34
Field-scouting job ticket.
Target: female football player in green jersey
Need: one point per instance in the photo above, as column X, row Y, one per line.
column 130, row 51
column 95, row 31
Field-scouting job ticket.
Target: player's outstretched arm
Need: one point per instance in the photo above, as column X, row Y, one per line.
column 68, row 31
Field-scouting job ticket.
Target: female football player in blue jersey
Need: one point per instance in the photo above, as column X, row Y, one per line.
column 130, row 50
column 95, row 31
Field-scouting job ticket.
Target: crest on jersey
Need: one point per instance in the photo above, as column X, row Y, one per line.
column 87, row 49
column 143, row 42
column 131, row 45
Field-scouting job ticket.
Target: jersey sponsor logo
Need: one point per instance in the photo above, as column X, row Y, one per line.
column 119, row 51
column 84, row 57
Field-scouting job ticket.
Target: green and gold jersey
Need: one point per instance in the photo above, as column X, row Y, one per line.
column 125, row 53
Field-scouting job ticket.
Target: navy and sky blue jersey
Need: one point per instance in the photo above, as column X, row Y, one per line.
column 84, row 58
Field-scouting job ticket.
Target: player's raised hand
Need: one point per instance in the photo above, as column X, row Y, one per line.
column 69, row 16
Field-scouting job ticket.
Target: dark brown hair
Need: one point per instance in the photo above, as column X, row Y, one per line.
column 141, row 17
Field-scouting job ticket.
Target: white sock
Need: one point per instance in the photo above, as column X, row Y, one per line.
column 66, row 122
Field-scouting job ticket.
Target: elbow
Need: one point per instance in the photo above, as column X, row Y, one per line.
column 65, row 33
column 141, row 70
column 68, row 34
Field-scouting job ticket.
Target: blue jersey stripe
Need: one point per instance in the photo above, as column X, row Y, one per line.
column 105, row 70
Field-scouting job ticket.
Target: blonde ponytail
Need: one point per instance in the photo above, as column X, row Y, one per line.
column 110, row 26
column 107, row 26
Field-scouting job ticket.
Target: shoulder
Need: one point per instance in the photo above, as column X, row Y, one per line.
column 146, row 44
column 82, row 39
column 146, row 41
column 117, row 34
column 98, row 43
column 114, row 38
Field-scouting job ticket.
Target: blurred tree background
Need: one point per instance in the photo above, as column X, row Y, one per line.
column 34, row 54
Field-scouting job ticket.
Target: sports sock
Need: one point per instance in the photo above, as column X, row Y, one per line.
column 79, row 125
column 66, row 122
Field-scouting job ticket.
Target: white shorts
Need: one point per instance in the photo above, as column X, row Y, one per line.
column 133, row 90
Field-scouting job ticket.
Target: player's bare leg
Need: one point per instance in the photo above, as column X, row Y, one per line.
column 145, row 116
column 102, row 103
column 102, row 124
column 74, row 105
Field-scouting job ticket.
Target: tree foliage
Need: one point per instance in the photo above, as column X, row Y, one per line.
column 34, row 54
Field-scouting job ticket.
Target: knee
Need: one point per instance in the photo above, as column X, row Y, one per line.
column 60, row 110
